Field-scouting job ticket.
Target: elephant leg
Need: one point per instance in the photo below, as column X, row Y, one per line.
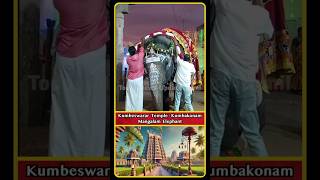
column 166, row 98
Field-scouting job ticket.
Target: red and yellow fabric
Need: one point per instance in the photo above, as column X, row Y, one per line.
column 267, row 63
column 186, row 43
column 284, row 63
column 284, row 56
column 267, row 56
column 188, row 48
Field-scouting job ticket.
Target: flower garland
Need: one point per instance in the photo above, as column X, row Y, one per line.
column 158, row 49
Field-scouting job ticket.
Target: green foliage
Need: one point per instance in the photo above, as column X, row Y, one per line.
column 200, row 154
column 135, row 132
column 139, row 170
column 120, row 152
column 126, row 171
column 199, row 140
column 129, row 140
column 193, row 150
column 138, row 148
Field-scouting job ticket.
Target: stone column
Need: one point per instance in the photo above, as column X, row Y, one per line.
column 120, row 11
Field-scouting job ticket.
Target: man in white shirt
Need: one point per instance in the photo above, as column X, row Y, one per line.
column 183, row 79
column 234, row 63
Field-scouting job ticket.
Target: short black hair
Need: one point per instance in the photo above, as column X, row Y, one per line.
column 132, row 50
column 186, row 57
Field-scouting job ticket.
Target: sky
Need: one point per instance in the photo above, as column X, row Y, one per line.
column 171, row 137
column 145, row 19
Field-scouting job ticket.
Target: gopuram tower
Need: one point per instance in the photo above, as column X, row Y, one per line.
column 153, row 149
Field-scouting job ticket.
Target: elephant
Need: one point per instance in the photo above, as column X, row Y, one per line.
column 160, row 65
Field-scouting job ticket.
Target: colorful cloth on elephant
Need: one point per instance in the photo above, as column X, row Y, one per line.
column 282, row 40
column 267, row 56
column 267, row 62
column 284, row 56
column 188, row 48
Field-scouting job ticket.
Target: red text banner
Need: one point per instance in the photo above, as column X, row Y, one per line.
column 64, row 170
column 255, row 170
column 160, row 118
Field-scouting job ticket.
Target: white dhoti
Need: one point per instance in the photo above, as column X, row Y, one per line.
column 78, row 117
column 134, row 94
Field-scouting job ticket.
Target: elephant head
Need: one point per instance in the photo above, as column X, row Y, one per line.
column 160, row 61
column 160, row 65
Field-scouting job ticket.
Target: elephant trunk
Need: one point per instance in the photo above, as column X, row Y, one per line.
column 156, row 79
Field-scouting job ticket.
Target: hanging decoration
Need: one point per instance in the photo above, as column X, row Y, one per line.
column 283, row 58
column 158, row 49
